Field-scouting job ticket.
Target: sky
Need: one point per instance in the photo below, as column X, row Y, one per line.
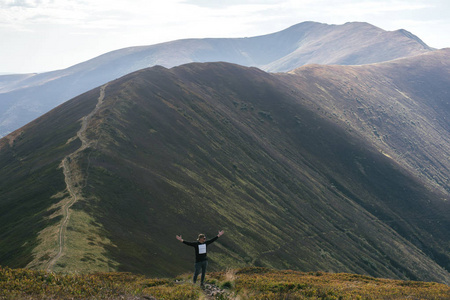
column 46, row 35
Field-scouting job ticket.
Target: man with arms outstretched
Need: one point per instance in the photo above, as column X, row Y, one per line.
column 201, row 259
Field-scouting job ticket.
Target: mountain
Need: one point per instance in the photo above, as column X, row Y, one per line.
column 24, row 98
column 401, row 106
column 333, row 168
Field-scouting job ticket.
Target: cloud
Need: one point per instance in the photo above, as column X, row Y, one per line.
column 98, row 14
column 17, row 3
column 27, row 13
column 228, row 3
column 24, row 14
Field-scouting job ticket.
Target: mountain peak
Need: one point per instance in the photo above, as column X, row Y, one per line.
column 411, row 36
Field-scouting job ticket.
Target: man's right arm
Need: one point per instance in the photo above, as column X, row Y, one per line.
column 185, row 242
column 193, row 244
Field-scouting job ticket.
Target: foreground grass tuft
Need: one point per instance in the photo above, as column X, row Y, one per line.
column 260, row 283
column 247, row 283
column 25, row 284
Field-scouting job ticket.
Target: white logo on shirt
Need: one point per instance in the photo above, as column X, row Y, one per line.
column 202, row 249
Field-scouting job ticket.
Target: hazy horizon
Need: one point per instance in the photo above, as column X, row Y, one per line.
column 43, row 35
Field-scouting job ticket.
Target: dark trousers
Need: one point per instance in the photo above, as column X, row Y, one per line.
column 200, row 266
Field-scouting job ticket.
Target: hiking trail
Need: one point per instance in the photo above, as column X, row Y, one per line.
column 73, row 178
column 212, row 291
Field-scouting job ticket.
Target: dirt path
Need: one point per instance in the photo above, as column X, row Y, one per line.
column 73, row 178
column 211, row 291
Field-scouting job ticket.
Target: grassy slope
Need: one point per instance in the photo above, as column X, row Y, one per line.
column 31, row 180
column 215, row 146
column 252, row 283
column 205, row 147
column 402, row 109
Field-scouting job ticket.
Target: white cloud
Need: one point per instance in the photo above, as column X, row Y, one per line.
column 18, row 3
column 115, row 13
column 26, row 14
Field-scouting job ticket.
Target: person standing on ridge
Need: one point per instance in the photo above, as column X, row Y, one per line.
column 201, row 260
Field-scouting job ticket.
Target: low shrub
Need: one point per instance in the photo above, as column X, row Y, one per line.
column 247, row 283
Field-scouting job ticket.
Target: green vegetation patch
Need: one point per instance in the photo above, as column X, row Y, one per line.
column 247, row 283
column 263, row 284
column 28, row 284
column 20, row 283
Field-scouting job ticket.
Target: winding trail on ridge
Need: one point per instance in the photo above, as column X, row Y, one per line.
column 70, row 170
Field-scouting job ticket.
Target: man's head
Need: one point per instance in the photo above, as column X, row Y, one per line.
column 201, row 238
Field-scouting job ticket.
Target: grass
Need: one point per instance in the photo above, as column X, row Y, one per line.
column 84, row 249
column 268, row 284
column 247, row 283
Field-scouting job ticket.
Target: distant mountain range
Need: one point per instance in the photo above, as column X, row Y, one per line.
column 332, row 168
column 26, row 97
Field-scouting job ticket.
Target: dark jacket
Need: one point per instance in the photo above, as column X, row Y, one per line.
column 201, row 248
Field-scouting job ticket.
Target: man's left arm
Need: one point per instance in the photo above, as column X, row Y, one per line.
column 215, row 238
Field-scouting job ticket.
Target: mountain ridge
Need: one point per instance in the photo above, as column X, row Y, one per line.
column 218, row 145
column 308, row 42
column 430, row 99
